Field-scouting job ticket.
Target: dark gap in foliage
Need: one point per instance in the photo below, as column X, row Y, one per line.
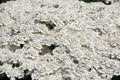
column 52, row 47
column 13, row 32
column 103, row 1
column 75, row 61
column 15, row 64
column 42, row 5
column 4, row 1
column 13, row 48
column 49, row 24
column 56, row 6
column 89, row 69
column 48, row 49
column 107, row 3
column 1, row 63
column 27, row 75
column 36, row 21
column 98, row 30
column 21, row 45
column 115, row 77
column 3, row 76
column 68, row 78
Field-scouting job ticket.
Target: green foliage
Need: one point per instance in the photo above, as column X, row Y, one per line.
column 3, row 1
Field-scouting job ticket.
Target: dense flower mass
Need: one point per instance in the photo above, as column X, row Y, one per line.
column 59, row 40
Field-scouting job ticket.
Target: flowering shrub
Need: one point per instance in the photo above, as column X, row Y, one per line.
column 59, row 40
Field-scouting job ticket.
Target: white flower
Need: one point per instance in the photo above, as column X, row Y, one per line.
column 31, row 53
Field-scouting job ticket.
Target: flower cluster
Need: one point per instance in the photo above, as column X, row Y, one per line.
column 59, row 40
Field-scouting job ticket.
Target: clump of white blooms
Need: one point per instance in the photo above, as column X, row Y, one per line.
column 59, row 40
